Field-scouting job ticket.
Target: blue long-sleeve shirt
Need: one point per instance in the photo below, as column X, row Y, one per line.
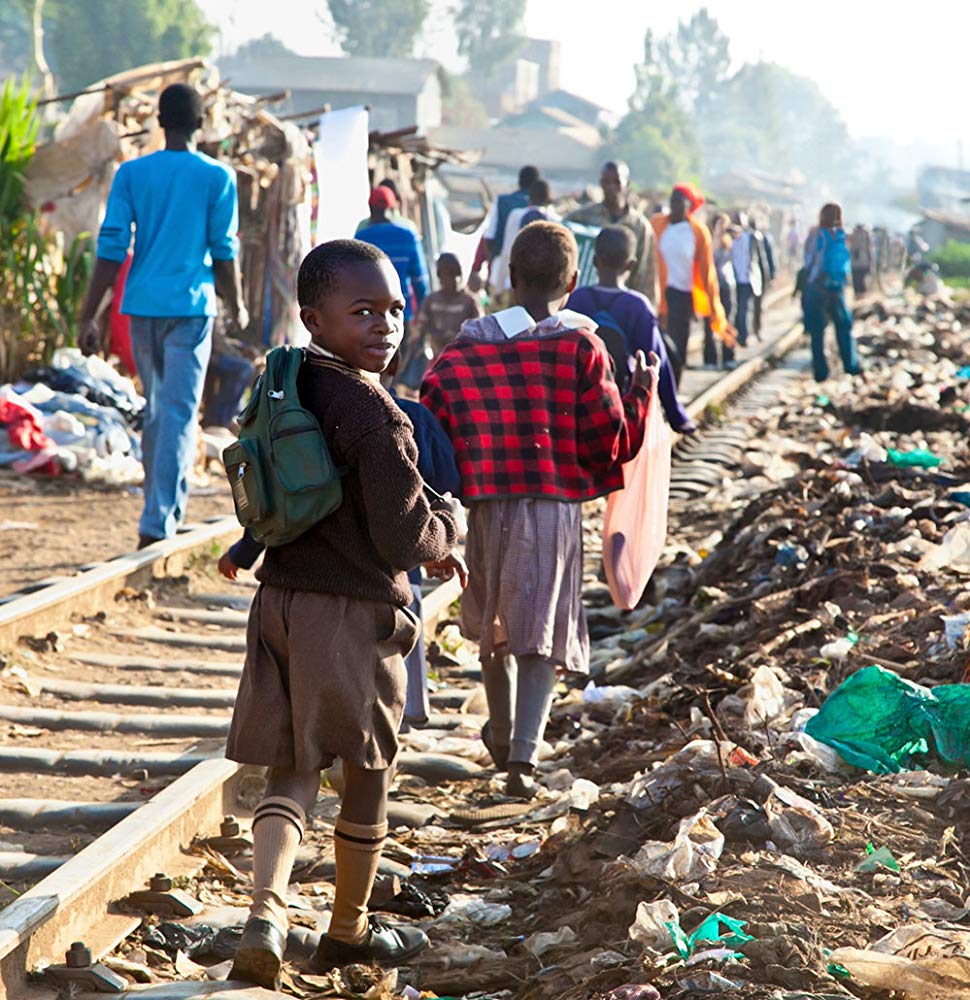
column 436, row 465
column 404, row 248
column 183, row 207
column 636, row 317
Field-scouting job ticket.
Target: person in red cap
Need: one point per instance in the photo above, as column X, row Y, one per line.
column 402, row 244
column 685, row 261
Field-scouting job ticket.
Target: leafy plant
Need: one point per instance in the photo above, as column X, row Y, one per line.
column 18, row 135
column 953, row 259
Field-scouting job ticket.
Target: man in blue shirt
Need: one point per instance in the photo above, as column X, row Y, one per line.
column 182, row 206
column 403, row 245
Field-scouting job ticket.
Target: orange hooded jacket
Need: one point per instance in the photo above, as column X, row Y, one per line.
column 707, row 298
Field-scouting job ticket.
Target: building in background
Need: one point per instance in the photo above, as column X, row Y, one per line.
column 532, row 73
column 400, row 92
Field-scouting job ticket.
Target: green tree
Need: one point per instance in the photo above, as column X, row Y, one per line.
column 489, row 34
column 696, row 61
column 264, row 47
column 114, row 35
column 460, row 106
column 379, row 27
column 655, row 137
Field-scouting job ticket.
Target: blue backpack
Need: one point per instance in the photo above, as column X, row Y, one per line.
column 617, row 346
column 836, row 259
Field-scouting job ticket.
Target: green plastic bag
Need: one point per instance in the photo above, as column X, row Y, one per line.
column 884, row 723
column 918, row 458
column 709, row 931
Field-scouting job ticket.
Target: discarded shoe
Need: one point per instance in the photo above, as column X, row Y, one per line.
column 385, row 945
column 259, row 957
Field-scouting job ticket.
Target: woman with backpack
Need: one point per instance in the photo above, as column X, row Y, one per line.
column 828, row 264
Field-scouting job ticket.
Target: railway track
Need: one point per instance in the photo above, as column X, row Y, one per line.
column 117, row 698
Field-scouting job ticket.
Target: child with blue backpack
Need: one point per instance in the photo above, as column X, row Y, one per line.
column 828, row 265
column 626, row 320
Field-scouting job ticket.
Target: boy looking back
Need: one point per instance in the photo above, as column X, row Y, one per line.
column 324, row 675
column 538, row 425
column 614, row 259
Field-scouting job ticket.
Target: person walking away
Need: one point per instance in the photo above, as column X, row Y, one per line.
column 538, row 425
column 750, row 274
column 401, row 243
column 496, row 222
column 827, row 267
column 183, row 207
column 767, row 261
column 610, row 302
column 793, row 245
column 231, row 369
column 538, row 210
column 862, row 255
column 444, row 311
column 616, row 210
column 395, row 214
column 324, row 673
column 686, row 265
column 722, row 243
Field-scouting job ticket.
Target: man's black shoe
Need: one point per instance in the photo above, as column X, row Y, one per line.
column 259, row 957
column 145, row 540
column 385, row 945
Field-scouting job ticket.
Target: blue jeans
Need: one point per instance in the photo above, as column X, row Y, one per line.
column 745, row 295
column 172, row 354
column 233, row 376
column 820, row 306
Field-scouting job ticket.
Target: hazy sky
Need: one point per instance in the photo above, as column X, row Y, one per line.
column 892, row 70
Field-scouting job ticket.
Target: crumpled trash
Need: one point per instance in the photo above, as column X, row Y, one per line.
column 651, row 924
column 877, row 858
column 916, row 960
column 766, row 699
column 727, row 932
column 698, row 758
column 693, row 853
column 617, row 694
column 583, row 794
column 839, row 649
column 415, row 901
column 194, row 940
column 952, row 553
column 475, row 911
column 797, row 825
column 457, row 955
column 538, row 944
column 884, row 723
column 955, row 630
column 709, row 981
column 633, row 991
column 915, row 458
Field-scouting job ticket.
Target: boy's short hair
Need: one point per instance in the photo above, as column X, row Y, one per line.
column 540, row 193
column 320, row 271
column 449, row 259
column 544, row 257
column 615, row 247
column 180, row 107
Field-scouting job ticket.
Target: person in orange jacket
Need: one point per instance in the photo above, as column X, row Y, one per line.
column 685, row 263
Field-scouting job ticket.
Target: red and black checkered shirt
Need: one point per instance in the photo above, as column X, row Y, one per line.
column 535, row 416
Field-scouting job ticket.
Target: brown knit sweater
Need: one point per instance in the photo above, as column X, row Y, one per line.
column 385, row 526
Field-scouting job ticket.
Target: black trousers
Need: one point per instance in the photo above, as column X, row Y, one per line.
column 860, row 276
column 680, row 314
column 710, row 340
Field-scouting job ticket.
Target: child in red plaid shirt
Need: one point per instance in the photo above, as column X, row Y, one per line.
column 528, row 398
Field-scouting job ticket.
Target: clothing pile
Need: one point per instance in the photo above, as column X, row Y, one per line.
column 75, row 415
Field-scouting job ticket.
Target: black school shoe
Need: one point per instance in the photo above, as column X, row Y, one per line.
column 385, row 945
column 259, row 957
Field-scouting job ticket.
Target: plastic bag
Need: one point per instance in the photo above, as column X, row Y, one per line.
column 881, row 722
column 635, row 526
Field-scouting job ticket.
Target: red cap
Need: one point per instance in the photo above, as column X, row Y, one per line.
column 382, row 197
column 690, row 192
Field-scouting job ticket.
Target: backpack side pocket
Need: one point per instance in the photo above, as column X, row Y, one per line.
column 244, row 468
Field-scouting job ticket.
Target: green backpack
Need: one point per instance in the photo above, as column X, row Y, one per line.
column 282, row 477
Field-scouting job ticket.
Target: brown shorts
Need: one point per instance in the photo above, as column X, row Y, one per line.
column 324, row 678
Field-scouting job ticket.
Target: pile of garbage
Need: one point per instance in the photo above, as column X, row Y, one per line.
column 762, row 795
column 77, row 414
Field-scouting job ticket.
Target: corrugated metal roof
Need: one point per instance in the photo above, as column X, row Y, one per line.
column 335, row 74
